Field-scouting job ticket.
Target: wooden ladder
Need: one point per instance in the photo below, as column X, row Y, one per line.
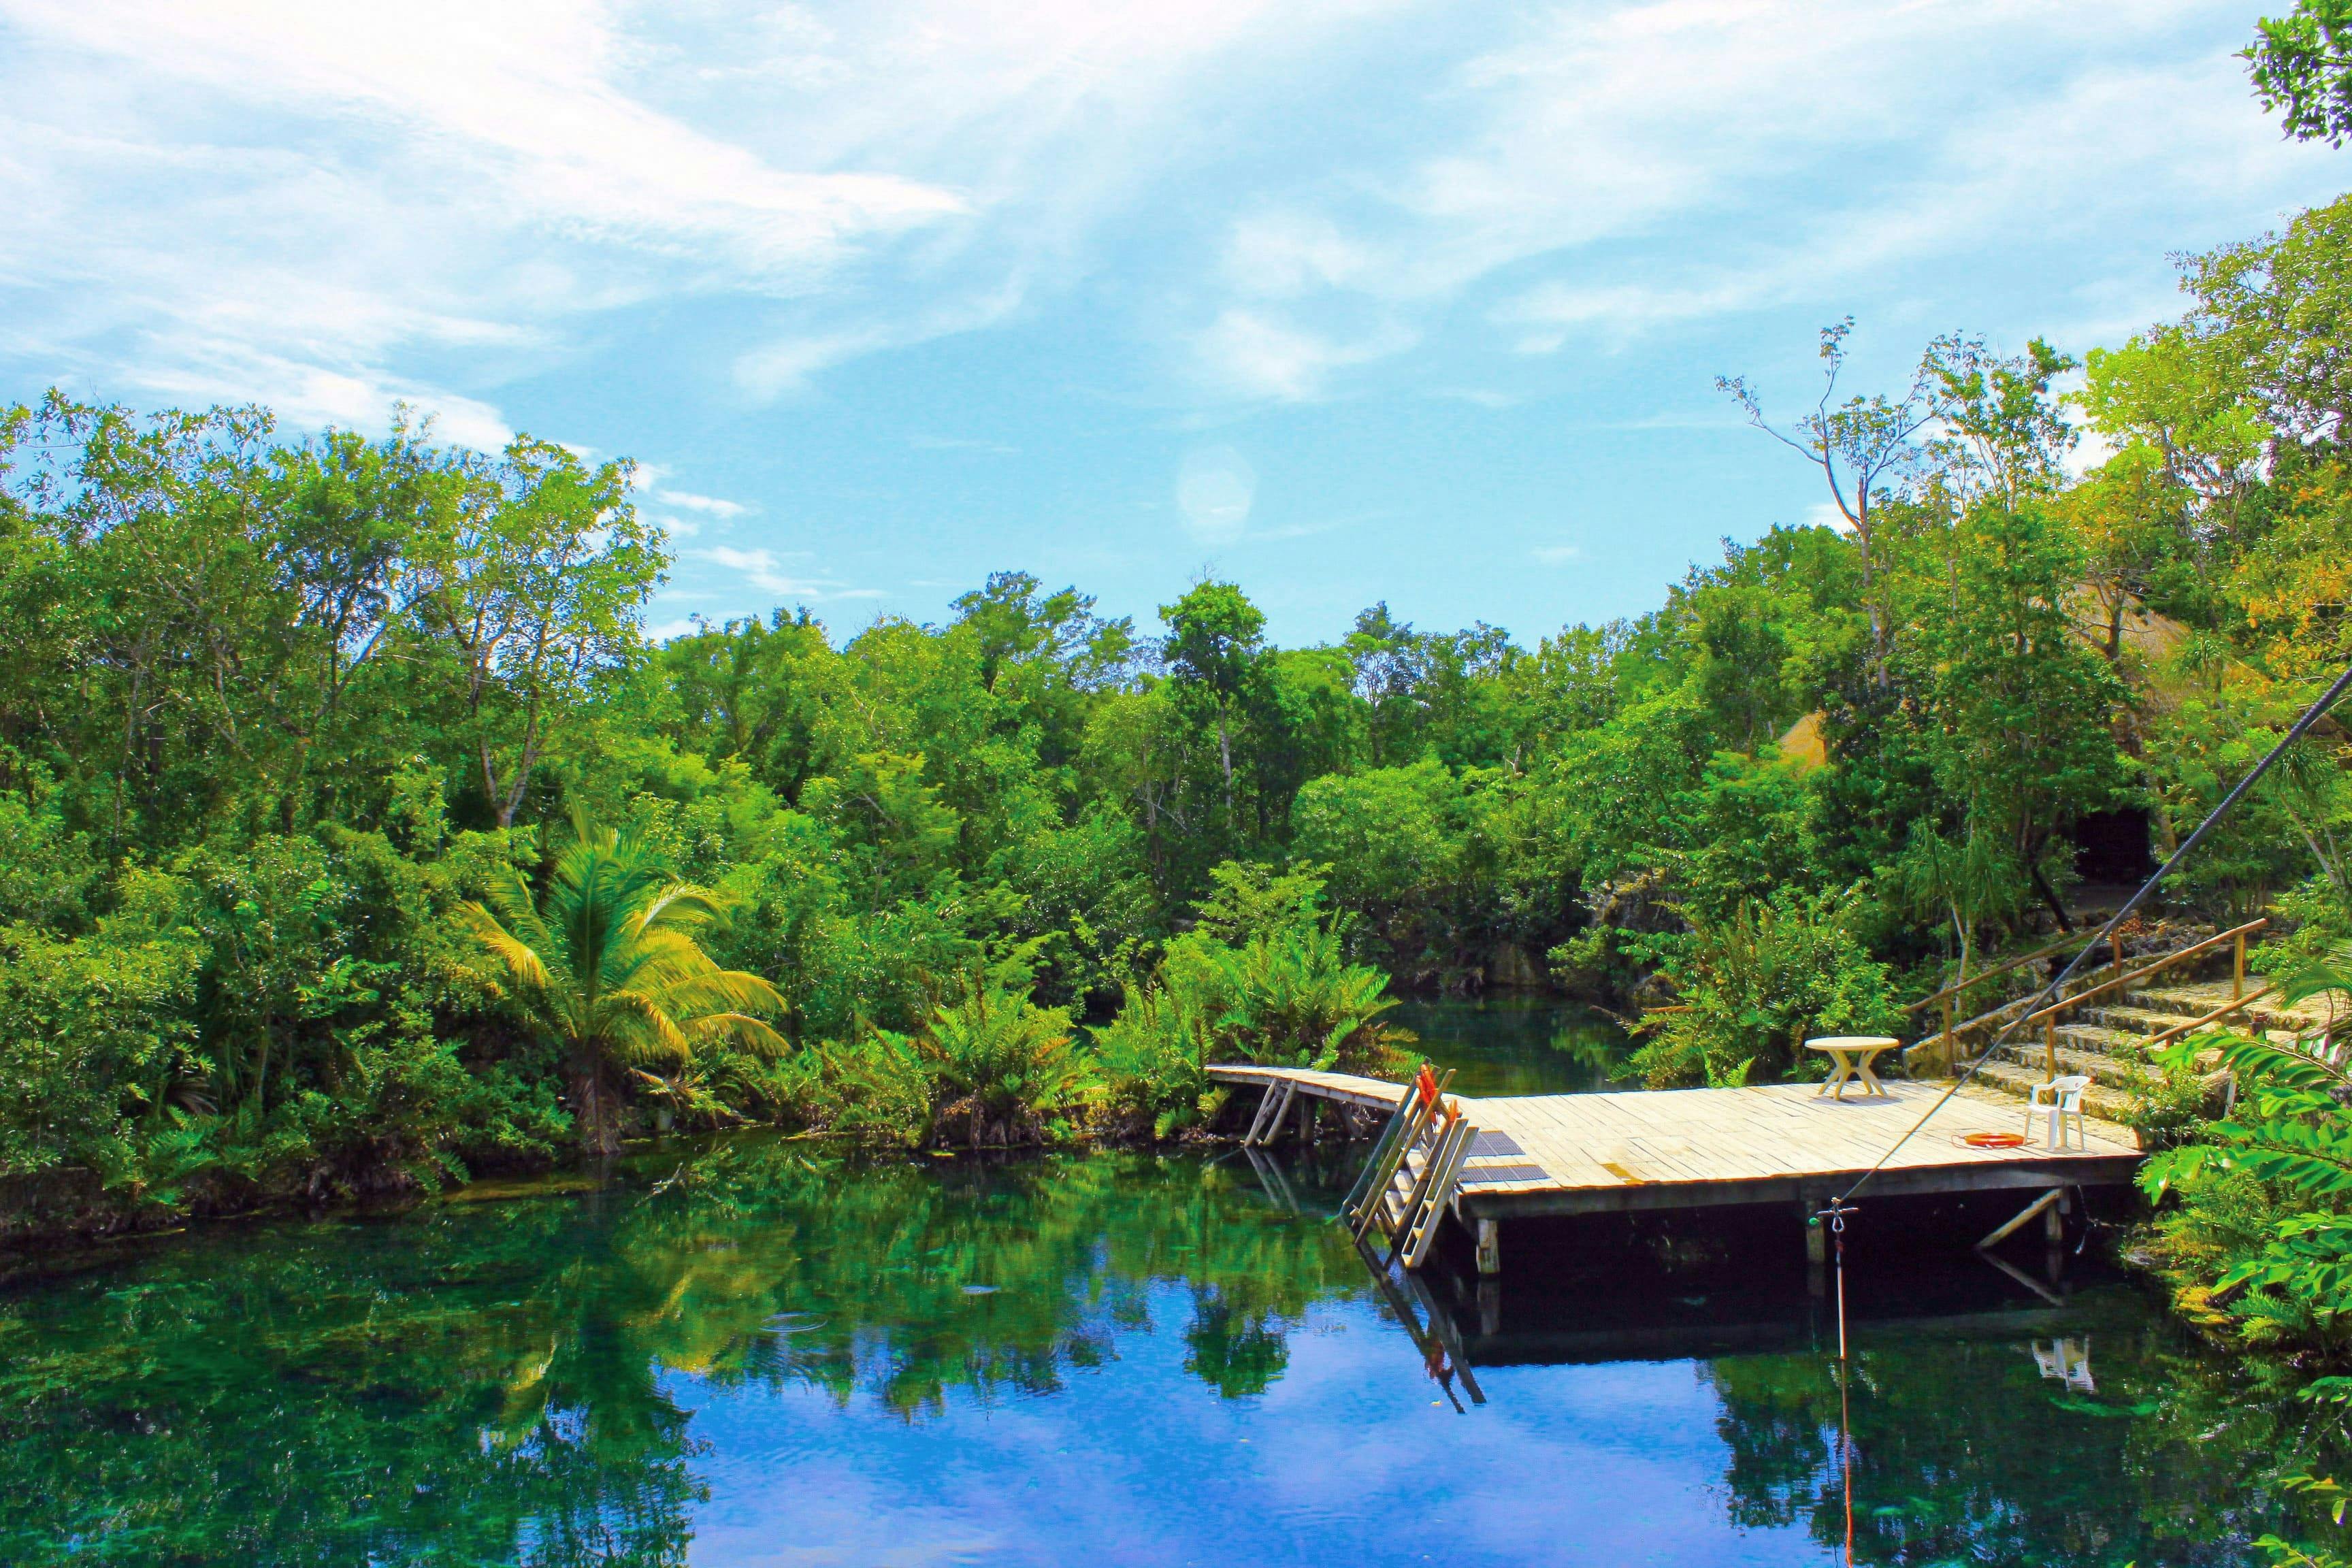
column 1405, row 1190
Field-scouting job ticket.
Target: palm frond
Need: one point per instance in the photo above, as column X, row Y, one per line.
column 716, row 990
column 509, row 895
column 656, row 1036
column 522, row 961
column 2319, row 977
column 2256, row 1061
column 740, row 1028
column 681, row 907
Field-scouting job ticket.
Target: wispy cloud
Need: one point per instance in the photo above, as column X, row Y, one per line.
column 1582, row 146
column 712, row 506
column 768, row 570
column 1259, row 354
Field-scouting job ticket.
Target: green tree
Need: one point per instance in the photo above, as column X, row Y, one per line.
column 1213, row 650
column 538, row 587
column 1862, row 446
column 2302, row 70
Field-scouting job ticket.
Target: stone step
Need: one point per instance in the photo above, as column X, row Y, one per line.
column 2099, row 1066
column 2099, row 1101
column 2195, row 1000
column 2131, row 1019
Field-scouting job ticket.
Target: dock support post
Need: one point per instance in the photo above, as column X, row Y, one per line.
column 2053, row 1218
column 2046, row 1201
column 1810, row 1203
column 1490, row 1247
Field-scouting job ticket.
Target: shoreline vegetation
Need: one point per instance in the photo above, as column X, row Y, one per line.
column 356, row 839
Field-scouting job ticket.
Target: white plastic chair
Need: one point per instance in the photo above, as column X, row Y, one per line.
column 2058, row 1099
column 2068, row 1360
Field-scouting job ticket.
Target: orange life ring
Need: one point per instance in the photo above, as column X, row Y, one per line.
column 1995, row 1139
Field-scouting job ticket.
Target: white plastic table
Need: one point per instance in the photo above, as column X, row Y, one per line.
column 1851, row 1055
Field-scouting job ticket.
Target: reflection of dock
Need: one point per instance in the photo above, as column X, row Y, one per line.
column 1684, row 1149
column 1703, row 1340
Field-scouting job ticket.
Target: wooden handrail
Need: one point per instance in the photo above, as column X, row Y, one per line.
column 1959, row 985
column 2167, row 962
column 2216, row 1016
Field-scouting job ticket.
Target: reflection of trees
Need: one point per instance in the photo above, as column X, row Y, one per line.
column 427, row 1393
column 1963, row 1452
column 487, row 1384
column 1240, row 1353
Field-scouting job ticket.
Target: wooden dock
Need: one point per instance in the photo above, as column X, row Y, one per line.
column 1693, row 1148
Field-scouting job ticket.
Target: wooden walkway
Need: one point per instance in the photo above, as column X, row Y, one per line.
column 1597, row 1153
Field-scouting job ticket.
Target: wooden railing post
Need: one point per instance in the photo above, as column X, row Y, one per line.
column 2238, row 971
column 1951, row 1056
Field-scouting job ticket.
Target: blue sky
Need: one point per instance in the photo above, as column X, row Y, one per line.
column 1345, row 302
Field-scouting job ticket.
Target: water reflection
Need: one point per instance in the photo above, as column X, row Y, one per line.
column 784, row 1356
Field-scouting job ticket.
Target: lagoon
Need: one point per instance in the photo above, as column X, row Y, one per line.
column 746, row 1351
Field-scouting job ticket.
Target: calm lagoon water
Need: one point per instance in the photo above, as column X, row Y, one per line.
column 746, row 1352
column 1516, row 1044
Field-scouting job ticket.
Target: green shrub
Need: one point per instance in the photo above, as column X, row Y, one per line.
column 95, row 1037
column 1751, row 988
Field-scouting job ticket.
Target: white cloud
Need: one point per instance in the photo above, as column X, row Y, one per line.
column 331, row 207
column 1557, row 554
column 767, row 571
column 286, row 201
column 1258, row 355
column 787, row 366
column 1658, row 166
column 1215, row 487
column 1278, row 254
column 342, row 187
column 712, row 505
column 523, row 95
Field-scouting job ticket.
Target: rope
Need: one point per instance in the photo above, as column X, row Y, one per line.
column 2311, row 715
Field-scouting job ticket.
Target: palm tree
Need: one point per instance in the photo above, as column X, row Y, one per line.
column 610, row 969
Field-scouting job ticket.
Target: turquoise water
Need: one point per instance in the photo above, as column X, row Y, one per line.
column 748, row 1351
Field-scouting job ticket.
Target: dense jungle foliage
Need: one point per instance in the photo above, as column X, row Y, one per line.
column 353, row 834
